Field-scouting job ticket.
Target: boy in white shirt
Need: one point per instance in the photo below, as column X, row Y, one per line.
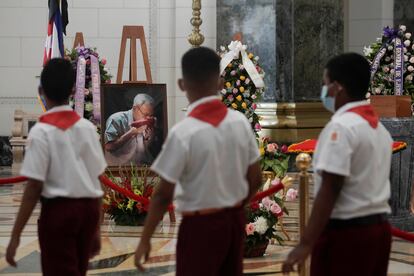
column 348, row 232
column 212, row 156
column 63, row 161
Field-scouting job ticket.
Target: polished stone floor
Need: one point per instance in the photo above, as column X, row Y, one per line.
column 119, row 242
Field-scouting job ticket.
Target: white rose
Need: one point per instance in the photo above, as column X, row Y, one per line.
column 405, row 58
column 223, row 91
column 369, row 100
column 260, row 225
column 379, row 39
column 409, row 77
column 405, row 49
column 392, row 71
column 385, row 69
column 390, row 48
column 403, row 28
column 407, row 43
column 377, row 90
column 410, row 68
column 222, row 48
column 412, row 47
column 408, row 35
column 367, row 95
column 412, row 60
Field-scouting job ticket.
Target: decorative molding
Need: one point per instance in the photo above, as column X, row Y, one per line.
column 18, row 100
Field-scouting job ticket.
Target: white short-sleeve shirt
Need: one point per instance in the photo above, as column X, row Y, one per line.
column 209, row 164
column 350, row 147
column 67, row 161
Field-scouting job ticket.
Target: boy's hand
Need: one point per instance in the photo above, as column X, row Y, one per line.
column 297, row 256
column 11, row 251
column 143, row 250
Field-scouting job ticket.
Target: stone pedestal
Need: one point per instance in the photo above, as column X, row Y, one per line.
column 402, row 172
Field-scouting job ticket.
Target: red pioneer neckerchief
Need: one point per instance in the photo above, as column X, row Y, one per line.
column 60, row 119
column 367, row 113
column 212, row 112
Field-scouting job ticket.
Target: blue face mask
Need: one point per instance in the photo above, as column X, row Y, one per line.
column 327, row 101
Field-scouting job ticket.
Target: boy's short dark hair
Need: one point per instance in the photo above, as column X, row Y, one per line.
column 200, row 64
column 57, row 79
column 352, row 71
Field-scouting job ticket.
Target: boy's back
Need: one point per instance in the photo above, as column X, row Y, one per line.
column 68, row 161
column 208, row 163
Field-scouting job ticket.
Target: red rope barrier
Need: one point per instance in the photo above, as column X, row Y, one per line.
column 145, row 201
column 268, row 192
column 259, row 196
column 402, row 235
column 12, row 180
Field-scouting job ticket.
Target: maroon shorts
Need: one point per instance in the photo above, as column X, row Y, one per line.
column 212, row 244
column 353, row 250
column 67, row 228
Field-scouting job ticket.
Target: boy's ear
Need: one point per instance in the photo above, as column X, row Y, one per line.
column 181, row 84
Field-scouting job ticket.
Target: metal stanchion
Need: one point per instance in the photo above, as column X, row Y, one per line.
column 303, row 162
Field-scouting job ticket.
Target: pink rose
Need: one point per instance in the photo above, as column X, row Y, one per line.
column 233, row 73
column 103, row 61
column 230, row 98
column 238, row 82
column 86, row 91
column 272, row 147
column 108, row 81
column 267, row 202
column 235, row 90
column 275, row 209
column 275, row 181
column 254, row 96
column 284, row 149
column 249, row 229
column 258, row 127
column 291, row 194
column 247, row 81
column 254, row 106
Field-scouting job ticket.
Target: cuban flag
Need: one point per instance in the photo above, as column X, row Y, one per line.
column 56, row 27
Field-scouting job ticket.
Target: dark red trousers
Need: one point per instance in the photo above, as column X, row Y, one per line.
column 356, row 250
column 211, row 245
column 67, row 228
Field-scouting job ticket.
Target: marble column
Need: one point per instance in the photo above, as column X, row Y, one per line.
column 294, row 39
column 402, row 172
column 403, row 13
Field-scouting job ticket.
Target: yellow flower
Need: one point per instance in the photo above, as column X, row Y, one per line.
column 239, row 98
column 251, row 55
column 244, row 105
column 230, row 65
column 262, row 151
column 228, row 84
column 242, row 77
column 241, row 89
column 234, row 105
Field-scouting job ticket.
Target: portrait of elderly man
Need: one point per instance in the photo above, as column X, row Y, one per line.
column 129, row 135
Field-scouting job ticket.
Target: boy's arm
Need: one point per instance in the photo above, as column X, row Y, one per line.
column 254, row 178
column 162, row 197
column 30, row 198
column 322, row 209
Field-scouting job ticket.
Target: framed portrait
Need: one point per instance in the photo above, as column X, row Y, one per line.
column 134, row 123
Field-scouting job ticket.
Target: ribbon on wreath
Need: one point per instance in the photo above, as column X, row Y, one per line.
column 96, row 92
column 80, row 86
column 392, row 35
column 235, row 49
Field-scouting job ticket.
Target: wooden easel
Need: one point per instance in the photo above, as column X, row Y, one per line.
column 133, row 33
column 78, row 40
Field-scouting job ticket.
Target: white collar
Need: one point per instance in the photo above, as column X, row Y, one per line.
column 201, row 101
